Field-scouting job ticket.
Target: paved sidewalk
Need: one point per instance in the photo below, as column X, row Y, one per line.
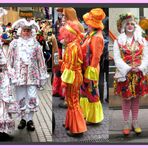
column 95, row 134
column 116, row 125
column 42, row 120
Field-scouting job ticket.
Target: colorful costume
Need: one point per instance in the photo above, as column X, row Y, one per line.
column 72, row 78
column 7, row 124
column 131, row 60
column 92, row 50
column 132, row 84
column 7, row 102
column 27, row 59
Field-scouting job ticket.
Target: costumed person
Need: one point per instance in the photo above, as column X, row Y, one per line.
column 7, row 123
column 57, row 90
column 72, row 78
column 131, row 59
column 144, row 25
column 92, row 49
column 70, row 15
column 27, row 59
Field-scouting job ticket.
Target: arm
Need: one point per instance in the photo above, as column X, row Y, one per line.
column 10, row 61
column 144, row 64
column 120, row 64
column 41, row 64
column 68, row 74
column 96, row 45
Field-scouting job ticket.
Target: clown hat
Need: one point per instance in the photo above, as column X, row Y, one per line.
column 94, row 18
column 23, row 23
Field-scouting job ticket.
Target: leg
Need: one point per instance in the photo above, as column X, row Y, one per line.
column 21, row 98
column 32, row 104
column 135, row 110
column 126, row 106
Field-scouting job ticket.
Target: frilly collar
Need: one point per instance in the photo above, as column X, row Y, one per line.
column 122, row 38
column 28, row 40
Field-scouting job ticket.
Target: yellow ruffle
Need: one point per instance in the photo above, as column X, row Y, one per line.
column 92, row 73
column 95, row 112
column 68, row 76
column 84, row 105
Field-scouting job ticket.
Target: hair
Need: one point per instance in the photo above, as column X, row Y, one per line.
column 64, row 33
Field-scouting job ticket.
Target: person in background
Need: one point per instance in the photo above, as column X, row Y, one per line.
column 7, row 123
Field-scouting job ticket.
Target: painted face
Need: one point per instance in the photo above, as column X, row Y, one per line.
column 26, row 33
column 130, row 26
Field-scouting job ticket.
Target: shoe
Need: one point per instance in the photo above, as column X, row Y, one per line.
column 56, row 95
column 126, row 130
column 136, row 128
column 22, row 124
column 30, row 126
column 63, row 105
column 5, row 137
column 65, row 127
column 74, row 134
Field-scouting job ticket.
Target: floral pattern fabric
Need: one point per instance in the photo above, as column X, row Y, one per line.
column 136, row 84
column 27, row 59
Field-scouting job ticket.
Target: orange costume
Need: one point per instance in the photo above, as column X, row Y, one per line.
column 92, row 49
column 72, row 79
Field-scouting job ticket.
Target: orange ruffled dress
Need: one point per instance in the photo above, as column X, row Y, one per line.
column 72, row 77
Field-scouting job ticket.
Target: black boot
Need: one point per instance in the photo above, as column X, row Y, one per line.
column 22, row 124
column 30, row 126
column 5, row 137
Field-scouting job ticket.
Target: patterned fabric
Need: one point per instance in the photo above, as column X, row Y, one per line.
column 27, row 98
column 27, row 59
column 90, row 101
column 136, row 84
column 7, row 124
column 72, row 60
column 91, row 52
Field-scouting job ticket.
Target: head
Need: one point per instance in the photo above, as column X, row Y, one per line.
column 94, row 18
column 69, row 32
column 26, row 32
column 60, row 15
column 126, row 23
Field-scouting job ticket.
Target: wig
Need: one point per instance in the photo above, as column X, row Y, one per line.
column 70, row 31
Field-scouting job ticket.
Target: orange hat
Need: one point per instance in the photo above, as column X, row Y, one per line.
column 144, row 23
column 94, row 18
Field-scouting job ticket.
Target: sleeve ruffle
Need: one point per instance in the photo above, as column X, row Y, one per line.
column 68, row 76
column 92, row 73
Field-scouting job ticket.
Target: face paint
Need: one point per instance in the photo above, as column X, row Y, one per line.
column 130, row 26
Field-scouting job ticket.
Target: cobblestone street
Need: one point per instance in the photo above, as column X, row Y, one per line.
column 94, row 134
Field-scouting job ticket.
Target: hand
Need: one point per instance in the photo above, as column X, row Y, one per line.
column 43, row 82
column 135, row 69
column 63, row 84
column 86, row 80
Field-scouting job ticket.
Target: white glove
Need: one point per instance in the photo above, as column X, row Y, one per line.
column 43, row 82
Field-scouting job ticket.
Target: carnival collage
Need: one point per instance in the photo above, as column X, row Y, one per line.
column 73, row 75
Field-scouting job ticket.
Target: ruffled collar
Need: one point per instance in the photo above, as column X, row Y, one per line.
column 122, row 38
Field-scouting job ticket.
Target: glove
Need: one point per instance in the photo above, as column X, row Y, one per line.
column 43, row 82
column 63, row 84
